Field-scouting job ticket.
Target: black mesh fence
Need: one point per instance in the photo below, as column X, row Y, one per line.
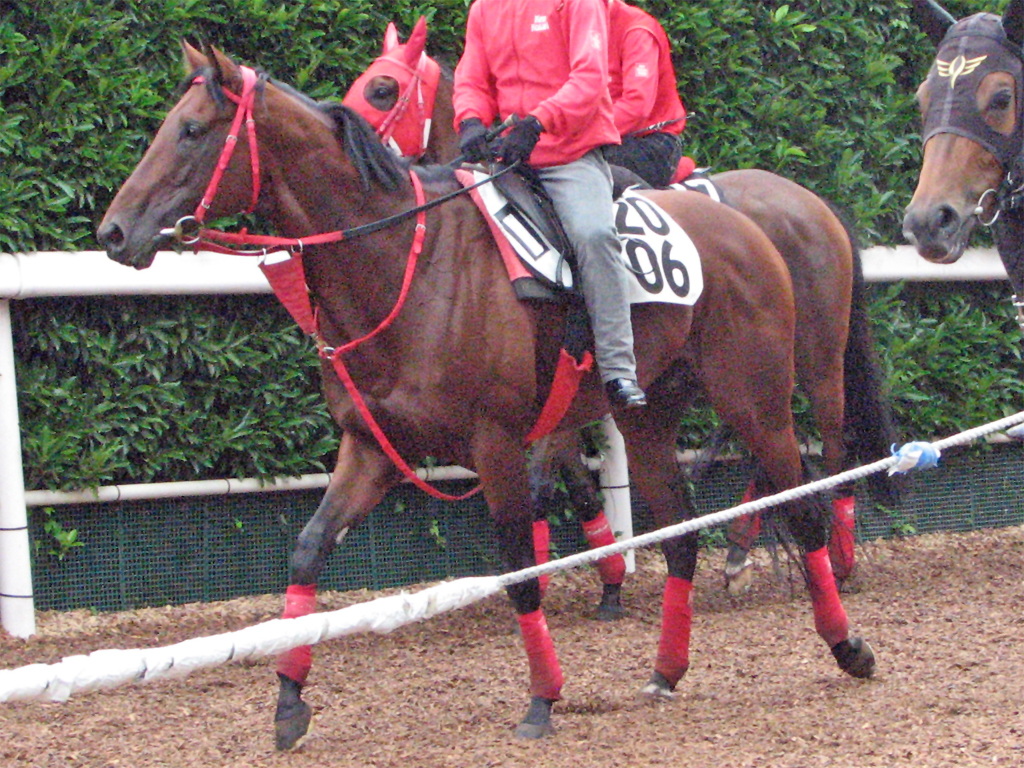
column 174, row 551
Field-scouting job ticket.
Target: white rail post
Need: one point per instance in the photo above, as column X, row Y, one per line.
column 17, row 606
column 614, row 475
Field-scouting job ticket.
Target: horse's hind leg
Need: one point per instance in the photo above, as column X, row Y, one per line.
column 807, row 520
column 822, row 381
column 361, row 478
column 763, row 419
column 650, row 445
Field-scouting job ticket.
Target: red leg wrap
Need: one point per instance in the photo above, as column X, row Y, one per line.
column 599, row 534
column 676, row 619
column 541, row 549
column 744, row 530
column 545, row 672
column 300, row 600
column 829, row 615
column 840, row 544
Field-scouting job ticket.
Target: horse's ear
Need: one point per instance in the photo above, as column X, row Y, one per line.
column 225, row 70
column 390, row 37
column 1013, row 22
column 194, row 58
column 933, row 19
column 416, row 43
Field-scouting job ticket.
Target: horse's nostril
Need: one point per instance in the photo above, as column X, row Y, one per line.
column 946, row 219
column 110, row 236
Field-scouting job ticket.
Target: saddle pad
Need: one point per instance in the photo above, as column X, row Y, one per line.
column 660, row 256
column 700, row 184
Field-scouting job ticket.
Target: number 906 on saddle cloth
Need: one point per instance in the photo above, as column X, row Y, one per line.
column 660, row 256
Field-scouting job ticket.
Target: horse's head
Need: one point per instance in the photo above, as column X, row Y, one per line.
column 971, row 104
column 169, row 182
column 396, row 94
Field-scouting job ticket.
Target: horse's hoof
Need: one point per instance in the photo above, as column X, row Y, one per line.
column 531, row 731
column 609, row 612
column 610, row 607
column 739, row 578
column 657, row 689
column 292, row 727
column 855, row 657
column 537, row 723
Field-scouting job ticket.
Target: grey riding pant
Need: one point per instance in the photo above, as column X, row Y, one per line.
column 582, row 194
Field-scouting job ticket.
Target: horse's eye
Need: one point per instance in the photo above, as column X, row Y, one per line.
column 1001, row 100
column 381, row 92
column 191, row 130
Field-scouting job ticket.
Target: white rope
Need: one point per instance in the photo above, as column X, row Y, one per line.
column 110, row 668
column 724, row 516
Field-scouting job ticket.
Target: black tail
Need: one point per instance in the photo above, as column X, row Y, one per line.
column 868, row 419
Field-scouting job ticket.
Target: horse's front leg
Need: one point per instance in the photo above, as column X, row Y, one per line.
column 359, row 481
column 501, row 466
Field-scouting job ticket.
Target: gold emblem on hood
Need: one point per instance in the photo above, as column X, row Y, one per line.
column 958, row 66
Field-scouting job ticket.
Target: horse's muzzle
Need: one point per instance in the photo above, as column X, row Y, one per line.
column 112, row 239
column 938, row 232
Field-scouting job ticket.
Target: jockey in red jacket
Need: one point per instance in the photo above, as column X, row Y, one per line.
column 647, row 110
column 546, row 62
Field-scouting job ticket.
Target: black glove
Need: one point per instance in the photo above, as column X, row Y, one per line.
column 473, row 141
column 520, row 141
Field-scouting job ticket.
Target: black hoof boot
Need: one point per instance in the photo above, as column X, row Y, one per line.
column 625, row 393
column 537, row 723
column 855, row 657
column 610, row 607
column 293, row 716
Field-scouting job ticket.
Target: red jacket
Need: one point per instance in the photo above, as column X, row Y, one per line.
column 546, row 58
column 642, row 81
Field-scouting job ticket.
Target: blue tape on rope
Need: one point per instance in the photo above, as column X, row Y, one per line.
column 915, row 456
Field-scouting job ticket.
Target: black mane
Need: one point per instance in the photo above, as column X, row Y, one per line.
column 376, row 163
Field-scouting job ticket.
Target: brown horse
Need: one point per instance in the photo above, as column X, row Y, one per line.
column 972, row 106
column 448, row 362
column 835, row 360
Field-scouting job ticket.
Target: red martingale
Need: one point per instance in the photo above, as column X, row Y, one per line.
column 334, row 355
column 287, row 278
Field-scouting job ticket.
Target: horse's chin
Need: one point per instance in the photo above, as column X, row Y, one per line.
column 143, row 261
column 939, row 254
column 139, row 259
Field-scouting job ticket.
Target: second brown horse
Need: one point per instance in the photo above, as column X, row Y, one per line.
column 407, row 96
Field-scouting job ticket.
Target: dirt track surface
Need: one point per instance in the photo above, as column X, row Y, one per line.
column 943, row 614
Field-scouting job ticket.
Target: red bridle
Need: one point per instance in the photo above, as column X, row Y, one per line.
column 187, row 230
column 288, row 278
column 244, row 112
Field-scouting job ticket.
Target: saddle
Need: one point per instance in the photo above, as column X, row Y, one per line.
column 542, row 263
column 525, row 194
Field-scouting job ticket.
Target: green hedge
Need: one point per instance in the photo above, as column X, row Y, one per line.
column 821, row 91
column 124, row 390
